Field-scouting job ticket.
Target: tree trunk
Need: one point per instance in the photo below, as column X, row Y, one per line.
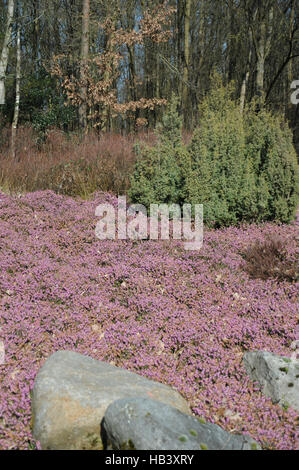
column 261, row 63
column 246, row 73
column 179, row 34
column 290, row 64
column 231, row 53
column 35, row 36
column 244, row 85
column 186, row 59
column 107, row 119
column 201, row 44
column 17, row 102
column 5, row 51
column 84, row 58
column 132, row 75
column 263, row 50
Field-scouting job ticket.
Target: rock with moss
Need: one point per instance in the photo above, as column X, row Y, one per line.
column 72, row 392
column 278, row 376
column 145, row 424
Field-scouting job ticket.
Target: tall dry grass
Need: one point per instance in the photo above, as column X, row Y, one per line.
column 69, row 164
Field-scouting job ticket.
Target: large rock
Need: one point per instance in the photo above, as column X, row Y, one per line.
column 277, row 375
column 72, row 392
column 144, row 424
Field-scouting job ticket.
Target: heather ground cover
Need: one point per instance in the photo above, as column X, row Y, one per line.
column 182, row 318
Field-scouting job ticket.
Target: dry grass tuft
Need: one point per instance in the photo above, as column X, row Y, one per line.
column 68, row 164
column 269, row 260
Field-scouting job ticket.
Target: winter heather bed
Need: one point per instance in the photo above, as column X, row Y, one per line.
column 178, row 317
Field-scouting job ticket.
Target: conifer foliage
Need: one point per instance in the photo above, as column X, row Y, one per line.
column 240, row 166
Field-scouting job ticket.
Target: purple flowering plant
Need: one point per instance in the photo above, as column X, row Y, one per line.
column 182, row 318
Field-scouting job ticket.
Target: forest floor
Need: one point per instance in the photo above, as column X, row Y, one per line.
column 179, row 317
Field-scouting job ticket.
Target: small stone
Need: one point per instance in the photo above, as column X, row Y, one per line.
column 95, row 328
column 232, row 416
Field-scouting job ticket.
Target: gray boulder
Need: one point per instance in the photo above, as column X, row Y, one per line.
column 278, row 376
column 144, row 424
column 72, row 392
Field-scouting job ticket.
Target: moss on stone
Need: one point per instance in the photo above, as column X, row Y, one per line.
column 202, row 420
column 286, row 359
column 129, row 445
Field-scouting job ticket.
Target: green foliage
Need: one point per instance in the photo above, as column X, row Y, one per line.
column 218, row 160
column 42, row 105
column 160, row 171
column 273, row 157
column 55, row 114
column 37, row 91
column 241, row 167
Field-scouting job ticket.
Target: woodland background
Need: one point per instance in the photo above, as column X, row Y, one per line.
column 177, row 101
column 76, row 68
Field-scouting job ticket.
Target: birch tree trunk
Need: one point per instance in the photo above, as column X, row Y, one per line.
column 245, row 82
column 84, row 57
column 261, row 62
column 263, row 50
column 17, row 102
column 5, row 50
column 248, row 66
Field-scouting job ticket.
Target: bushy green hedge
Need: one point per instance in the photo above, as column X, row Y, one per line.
column 218, row 160
column 241, row 167
column 270, row 150
column 159, row 170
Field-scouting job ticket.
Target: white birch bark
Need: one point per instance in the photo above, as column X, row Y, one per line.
column 263, row 50
column 5, row 50
column 17, row 102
